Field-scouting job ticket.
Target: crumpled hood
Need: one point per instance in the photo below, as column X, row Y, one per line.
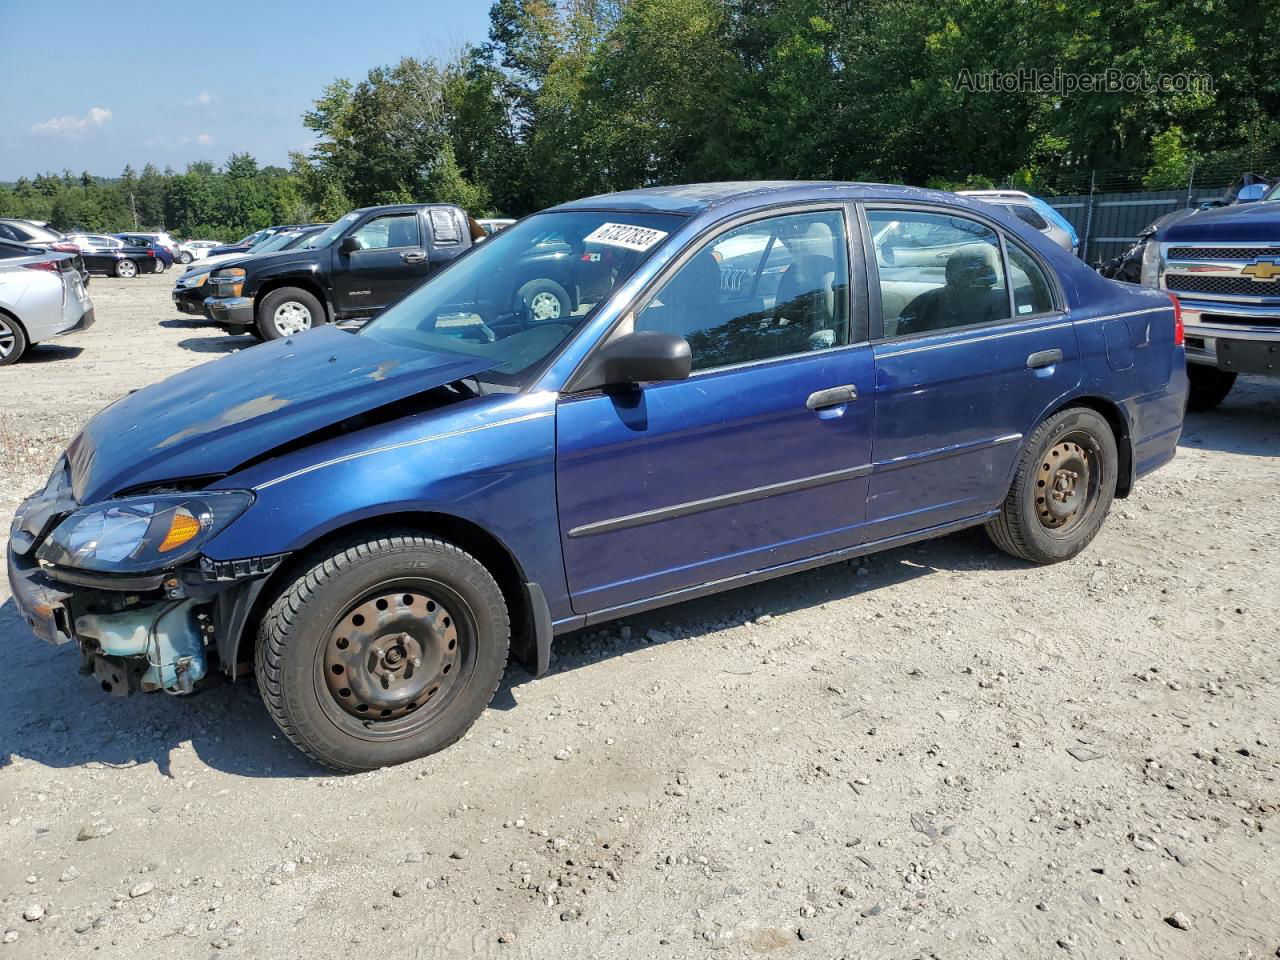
column 210, row 419
column 1245, row 222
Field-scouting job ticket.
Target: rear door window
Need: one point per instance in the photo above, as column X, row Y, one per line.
column 936, row 271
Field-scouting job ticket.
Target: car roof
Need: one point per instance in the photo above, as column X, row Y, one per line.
column 696, row 198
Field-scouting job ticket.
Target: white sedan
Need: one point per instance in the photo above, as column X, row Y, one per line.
column 196, row 249
column 41, row 297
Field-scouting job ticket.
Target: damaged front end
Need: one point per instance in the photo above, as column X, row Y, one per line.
column 124, row 580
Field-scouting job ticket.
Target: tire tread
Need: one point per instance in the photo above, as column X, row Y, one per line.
column 277, row 628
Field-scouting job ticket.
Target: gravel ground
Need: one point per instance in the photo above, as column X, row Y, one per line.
column 935, row 752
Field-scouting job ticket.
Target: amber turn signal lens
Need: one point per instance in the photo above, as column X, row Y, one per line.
column 182, row 529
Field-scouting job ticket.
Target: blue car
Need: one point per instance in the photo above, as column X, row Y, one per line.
column 758, row 378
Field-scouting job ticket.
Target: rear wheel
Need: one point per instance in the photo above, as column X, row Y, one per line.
column 1209, row 386
column 1062, row 489
column 286, row 312
column 161, row 266
column 126, row 269
column 13, row 341
column 184, row 257
column 382, row 651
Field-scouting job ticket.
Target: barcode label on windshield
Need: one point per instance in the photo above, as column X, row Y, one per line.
column 625, row 235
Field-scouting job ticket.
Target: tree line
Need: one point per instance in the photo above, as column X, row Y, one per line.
column 577, row 97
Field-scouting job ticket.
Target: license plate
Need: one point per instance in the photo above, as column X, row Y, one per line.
column 1248, row 356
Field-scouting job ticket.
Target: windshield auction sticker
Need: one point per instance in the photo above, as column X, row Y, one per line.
column 625, row 235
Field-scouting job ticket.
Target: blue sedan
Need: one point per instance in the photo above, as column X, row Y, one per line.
column 759, row 378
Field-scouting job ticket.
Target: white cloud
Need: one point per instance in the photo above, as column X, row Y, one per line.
column 202, row 99
column 204, row 139
column 73, row 126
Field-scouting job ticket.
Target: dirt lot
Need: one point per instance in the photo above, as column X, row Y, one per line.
column 937, row 752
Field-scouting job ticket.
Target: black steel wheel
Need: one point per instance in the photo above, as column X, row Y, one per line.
column 382, row 650
column 1062, row 488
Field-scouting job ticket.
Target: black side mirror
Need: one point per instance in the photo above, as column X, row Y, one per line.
column 637, row 358
column 349, row 245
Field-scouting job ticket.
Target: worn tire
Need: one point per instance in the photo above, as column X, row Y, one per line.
column 1018, row 530
column 545, row 301
column 294, row 633
column 1209, row 386
column 13, row 340
column 266, row 307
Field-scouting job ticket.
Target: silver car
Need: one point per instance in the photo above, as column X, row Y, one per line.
column 1033, row 211
column 41, row 297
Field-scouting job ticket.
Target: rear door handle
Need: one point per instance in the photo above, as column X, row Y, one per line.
column 831, row 397
column 413, row 257
column 1044, row 358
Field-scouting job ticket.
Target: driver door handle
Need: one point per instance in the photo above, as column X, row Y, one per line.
column 413, row 256
column 831, row 397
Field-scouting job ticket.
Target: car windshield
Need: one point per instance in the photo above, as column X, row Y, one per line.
column 336, row 229
column 276, row 241
column 516, row 297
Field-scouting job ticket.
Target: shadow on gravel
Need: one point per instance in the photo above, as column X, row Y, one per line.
column 969, row 550
column 222, row 344
column 1247, row 422
column 56, row 717
column 50, row 353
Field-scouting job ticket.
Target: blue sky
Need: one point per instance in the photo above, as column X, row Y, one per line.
column 82, row 88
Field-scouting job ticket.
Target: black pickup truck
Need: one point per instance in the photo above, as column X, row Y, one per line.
column 370, row 258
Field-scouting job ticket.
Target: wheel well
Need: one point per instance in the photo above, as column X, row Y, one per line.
column 1124, row 443
column 471, row 537
column 302, row 283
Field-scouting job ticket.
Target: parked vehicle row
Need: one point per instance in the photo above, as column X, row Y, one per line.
column 42, row 296
column 114, row 257
column 620, row 403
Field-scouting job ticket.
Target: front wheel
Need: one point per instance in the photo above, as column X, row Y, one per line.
column 1209, row 386
column 126, row 269
column 382, row 650
column 545, row 301
column 286, row 312
column 1062, row 488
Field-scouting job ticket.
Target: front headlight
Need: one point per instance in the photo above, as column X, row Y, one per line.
column 229, row 282
column 196, row 281
column 1151, row 264
column 142, row 534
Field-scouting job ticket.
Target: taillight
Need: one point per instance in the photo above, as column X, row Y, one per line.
column 64, row 247
column 50, row 265
column 1179, row 333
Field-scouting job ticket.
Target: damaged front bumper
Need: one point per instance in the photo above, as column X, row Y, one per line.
column 149, row 633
